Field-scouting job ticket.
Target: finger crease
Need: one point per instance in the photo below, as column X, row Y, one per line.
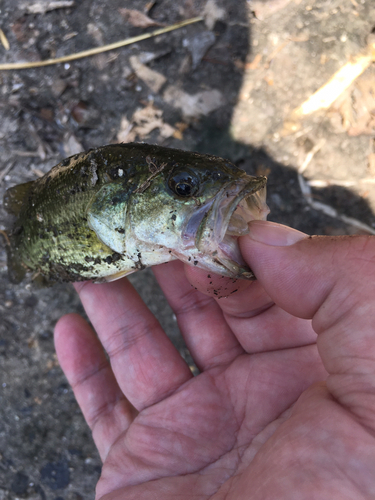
column 192, row 303
column 89, row 374
column 250, row 314
column 127, row 336
column 103, row 410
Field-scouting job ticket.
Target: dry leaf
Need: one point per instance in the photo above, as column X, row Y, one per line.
column 194, row 105
column 152, row 78
column 180, row 128
column 354, row 111
column 198, row 45
column 71, row 145
column 137, row 18
column 212, row 13
column 143, row 122
column 126, row 134
column 147, row 119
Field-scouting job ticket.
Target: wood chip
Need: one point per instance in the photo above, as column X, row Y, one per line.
column 254, row 63
column 43, row 7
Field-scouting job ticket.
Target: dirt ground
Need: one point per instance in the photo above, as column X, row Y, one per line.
column 227, row 86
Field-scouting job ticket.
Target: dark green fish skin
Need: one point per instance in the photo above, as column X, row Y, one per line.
column 52, row 235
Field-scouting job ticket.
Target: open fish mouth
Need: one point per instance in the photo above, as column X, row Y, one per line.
column 215, row 227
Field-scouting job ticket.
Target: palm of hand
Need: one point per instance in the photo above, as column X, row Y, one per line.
column 227, row 433
column 212, row 427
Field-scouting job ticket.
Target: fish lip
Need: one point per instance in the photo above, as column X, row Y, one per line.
column 206, row 229
column 253, row 186
column 214, row 224
column 212, row 237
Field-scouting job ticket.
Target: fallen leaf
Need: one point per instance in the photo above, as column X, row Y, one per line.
column 71, row 145
column 356, row 107
column 143, row 122
column 152, row 78
column 194, row 105
column 180, row 128
column 212, row 13
column 125, row 133
column 147, row 119
column 198, row 45
column 137, row 18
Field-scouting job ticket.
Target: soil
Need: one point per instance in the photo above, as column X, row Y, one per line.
column 226, row 86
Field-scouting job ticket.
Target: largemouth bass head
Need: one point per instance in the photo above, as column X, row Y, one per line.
column 192, row 208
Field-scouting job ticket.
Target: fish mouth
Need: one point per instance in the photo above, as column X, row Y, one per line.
column 221, row 221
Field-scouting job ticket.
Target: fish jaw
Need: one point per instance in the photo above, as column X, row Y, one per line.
column 211, row 235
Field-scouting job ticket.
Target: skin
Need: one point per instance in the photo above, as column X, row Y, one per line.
column 284, row 406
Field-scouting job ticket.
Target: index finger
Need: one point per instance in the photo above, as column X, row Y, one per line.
column 217, row 330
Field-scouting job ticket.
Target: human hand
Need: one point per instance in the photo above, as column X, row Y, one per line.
column 258, row 422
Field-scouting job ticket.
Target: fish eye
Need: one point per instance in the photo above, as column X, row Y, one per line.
column 184, row 183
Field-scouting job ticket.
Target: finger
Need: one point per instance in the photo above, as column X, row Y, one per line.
column 207, row 335
column 88, row 371
column 330, row 280
column 257, row 323
column 214, row 285
column 145, row 363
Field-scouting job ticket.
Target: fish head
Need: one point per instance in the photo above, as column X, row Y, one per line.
column 197, row 213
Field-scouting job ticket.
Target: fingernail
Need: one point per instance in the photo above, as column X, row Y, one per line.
column 274, row 234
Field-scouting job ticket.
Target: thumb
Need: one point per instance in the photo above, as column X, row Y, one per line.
column 331, row 281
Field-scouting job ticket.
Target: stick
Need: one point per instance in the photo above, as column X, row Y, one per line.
column 99, row 50
column 6, row 170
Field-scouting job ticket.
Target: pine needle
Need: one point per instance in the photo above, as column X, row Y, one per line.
column 4, row 40
column 99, row 50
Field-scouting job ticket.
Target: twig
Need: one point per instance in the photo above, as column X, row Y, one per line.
column 340, row 81
column 155, row 170
column 326, row 95
column 321, row 183
column 4, row 40
column 43, row 7
column 26, row 153
column 5, row 236
column 322, row 207
column 328, row 210
column 310, row 155
column 6, row 170
column 99, row 50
